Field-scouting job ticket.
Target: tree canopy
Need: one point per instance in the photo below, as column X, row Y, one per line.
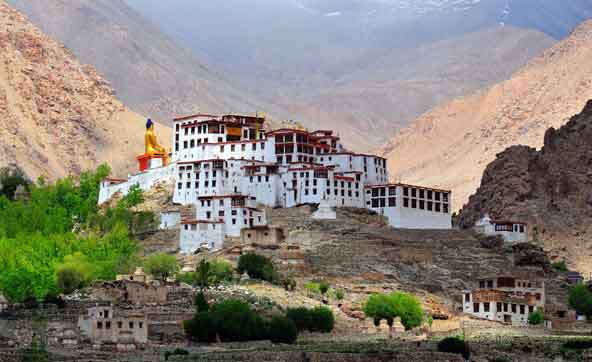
column 395, row 305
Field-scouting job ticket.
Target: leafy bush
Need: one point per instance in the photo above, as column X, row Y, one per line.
column 69, row 279
column 391, row 306
column 339, row 294
column 161, row 265
column 580, row 299
column 313, row 287
column 36, row 236
column 221, row 271
column 235, row 321
column 323, row 287
column 455, row 345
column 301, row 317
column 282, row 330
column 201, row 328
column 578, row 344
column 10, row 180
column 560, row 266
column 257, row 266
column 536, row 318
column 288, row 283
column 322, row 320
column 201, row 303
column 176, row 352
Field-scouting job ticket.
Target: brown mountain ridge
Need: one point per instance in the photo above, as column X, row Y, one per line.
column 451, row 145
column 58, row 116
column 551, row 189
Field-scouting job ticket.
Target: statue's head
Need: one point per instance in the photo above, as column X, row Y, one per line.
column 149, row 124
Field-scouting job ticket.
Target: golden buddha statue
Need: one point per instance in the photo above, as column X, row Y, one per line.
column 153, row 149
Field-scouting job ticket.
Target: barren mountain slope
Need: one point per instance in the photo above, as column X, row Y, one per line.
column 396, row 88
column 150, row 72
column 451, row 145
column 551, row 189
column 56, row 115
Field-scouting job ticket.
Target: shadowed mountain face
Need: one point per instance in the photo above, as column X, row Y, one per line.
column 550, row 189
column 452, row 144
column 148, row 70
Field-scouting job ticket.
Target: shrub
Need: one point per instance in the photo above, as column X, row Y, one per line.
column 580, row 299
column 323, row 287
column 288, row 283
column 536, row 318
column 161, row 265
column 201, row 328
column 339, row 294
column 282, row 330
column 176, row 352
column 201, row 303
column 391, row 306
column 312, row 287
column 560, row 266
column 578, row 344
column 235, row 321
column 301, row 317
column 455, row 345
column 322, row 320
column 69, row 279
column 257, row 266
column 220, row 271
column 10, row 180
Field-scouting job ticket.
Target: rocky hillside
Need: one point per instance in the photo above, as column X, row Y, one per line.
column 451, row 145
column 58, row 116
column 150, row 72
column 551, row 189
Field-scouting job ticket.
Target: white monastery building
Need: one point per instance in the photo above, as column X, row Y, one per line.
column 512, row 231
column 230, row 168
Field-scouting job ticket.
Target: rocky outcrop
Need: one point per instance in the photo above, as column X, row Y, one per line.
column 550, row 189
column 450, row 146
column 57, row 116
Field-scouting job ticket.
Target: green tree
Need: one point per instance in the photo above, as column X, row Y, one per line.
column 201, row 303
column 203, row 274
column 235, row 321
column 161, row 265
column 536, row 318
column 580, row 299
column 322, row 319
column 221, row 271
column 323, row 288
column 301, row 317
column 389, row 307
column 10, row 180
column 257, row 266
column 282, row 330
column 201, row 328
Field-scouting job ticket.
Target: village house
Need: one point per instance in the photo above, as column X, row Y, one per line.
column 100, row 325
column 512, row 231
column 506, row 299
column 230, row 168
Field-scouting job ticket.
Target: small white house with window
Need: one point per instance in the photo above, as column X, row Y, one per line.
column 512, row 231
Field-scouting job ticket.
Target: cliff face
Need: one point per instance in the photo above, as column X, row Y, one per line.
column 58, row 116
column 551, row 189
column 450, row 146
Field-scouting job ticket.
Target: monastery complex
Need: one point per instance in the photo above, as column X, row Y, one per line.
column 230, row 168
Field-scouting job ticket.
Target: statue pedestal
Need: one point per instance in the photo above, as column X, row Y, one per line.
column 147, row 162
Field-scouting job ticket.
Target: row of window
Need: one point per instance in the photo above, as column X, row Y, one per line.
column 503, row 307
column 425, row 194
column 119, row 325
column 517, row 228
column 425, row 205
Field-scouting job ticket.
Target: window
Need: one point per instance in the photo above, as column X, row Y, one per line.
column 486, row 307
column 482, row 284
column 475, row 307
column 131, row 325
column 392, row 202
column 530, row 309
column 108, row 325
column 490, row 284
column 119, row 325
column 514, row 308
column 498, row 307
column 99, row 325
column 468, row 297
column 140, row 325
column 505, row 307
column 522, row 309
